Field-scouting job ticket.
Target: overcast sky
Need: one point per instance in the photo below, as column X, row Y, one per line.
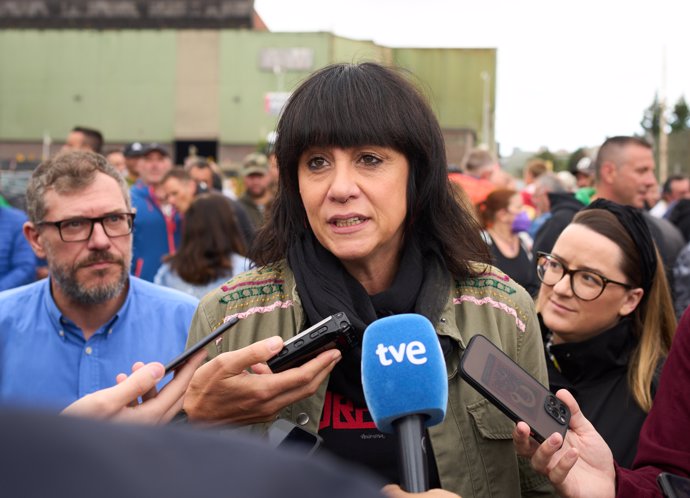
column 569, row 73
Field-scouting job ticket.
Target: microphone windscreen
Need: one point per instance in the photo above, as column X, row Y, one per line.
column 403, row 370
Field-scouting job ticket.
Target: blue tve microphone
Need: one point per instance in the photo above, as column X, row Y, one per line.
column 406, row 388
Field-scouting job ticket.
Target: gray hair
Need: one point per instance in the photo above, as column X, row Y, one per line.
column 551, row 183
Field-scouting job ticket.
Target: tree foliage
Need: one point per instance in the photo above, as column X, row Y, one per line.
column 680, row 115
column 678, row 118
column 651, row 119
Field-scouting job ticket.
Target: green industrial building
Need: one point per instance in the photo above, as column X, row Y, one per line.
column 217, row 88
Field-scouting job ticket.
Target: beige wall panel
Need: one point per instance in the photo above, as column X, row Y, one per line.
column 196, row 92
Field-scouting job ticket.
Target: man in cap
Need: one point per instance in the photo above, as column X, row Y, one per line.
column 583, row 171
column 257, row 196
column 133, row 153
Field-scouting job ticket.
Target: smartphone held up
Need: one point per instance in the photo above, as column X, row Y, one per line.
column 512, row 389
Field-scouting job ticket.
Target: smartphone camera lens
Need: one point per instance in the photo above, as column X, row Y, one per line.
column 555, row 409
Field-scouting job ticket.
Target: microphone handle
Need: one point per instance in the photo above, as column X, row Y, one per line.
column 412, row 457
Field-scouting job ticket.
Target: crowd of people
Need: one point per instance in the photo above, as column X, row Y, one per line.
column 578, row 276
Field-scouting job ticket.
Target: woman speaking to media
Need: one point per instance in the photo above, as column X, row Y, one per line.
column 365, row 222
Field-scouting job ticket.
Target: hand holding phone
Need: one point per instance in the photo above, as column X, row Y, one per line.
column 182, row 358
column 333, row 332
column 512, row 389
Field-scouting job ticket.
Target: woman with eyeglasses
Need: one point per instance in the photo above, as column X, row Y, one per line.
column 607, row 319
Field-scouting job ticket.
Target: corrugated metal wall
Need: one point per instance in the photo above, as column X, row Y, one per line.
column 165, row 85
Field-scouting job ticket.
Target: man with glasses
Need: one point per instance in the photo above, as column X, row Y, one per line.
column 71, row 334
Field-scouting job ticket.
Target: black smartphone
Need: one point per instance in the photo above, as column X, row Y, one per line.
column 512, row 390
column 182, row 358
column 284, row 434
column 333, row 332
column 673, row 486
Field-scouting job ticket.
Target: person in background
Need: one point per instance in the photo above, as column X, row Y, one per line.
column 533, row 170
column 205, row 174
column 608, row 326
column 82, row 138
column 257, row 196
column 624, row 170
column 675, row 187
column 71, row 334
column 157, row 225
column 544, row 186
column 500, row 216
column 357, row 228
column 562, row 206
column 582, row 465
column 212, row 249
column 181, row 188
column 476, row 179
column 679, row 215
column 583, row 171
column 133, row 152
column 568, row 181
column 500, row 178
column 17, row 260
column 117, row 159
column 272, row 161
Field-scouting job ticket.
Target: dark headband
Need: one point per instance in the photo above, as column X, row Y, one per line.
column 634, row 223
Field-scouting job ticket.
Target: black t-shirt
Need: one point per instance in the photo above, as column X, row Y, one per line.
column 520, row 268
column 349, row 431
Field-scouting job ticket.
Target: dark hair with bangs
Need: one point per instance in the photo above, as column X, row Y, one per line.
column 654, row 322
column 348, row 105
column 210, row 235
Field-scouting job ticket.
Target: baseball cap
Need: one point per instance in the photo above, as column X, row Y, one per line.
column 155, row 147
column 254, row 163
column 134, row 149
column 585, row 166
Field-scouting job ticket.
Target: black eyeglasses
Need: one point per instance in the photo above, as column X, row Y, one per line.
column 80, row 229
column 586, row 284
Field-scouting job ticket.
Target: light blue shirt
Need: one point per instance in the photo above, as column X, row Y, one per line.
column 17, row 260
column 169, row 278
column 45, row 361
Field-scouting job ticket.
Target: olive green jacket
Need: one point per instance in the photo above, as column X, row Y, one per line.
column 472, row 446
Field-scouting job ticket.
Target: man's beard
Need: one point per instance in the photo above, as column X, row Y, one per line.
column 66, row 278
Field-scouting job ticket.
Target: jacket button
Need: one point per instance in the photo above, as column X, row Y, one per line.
column 303, row 419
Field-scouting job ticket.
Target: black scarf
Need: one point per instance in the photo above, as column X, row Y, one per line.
column 325, row 287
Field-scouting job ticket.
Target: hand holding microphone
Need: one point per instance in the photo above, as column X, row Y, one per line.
column 405, row 387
